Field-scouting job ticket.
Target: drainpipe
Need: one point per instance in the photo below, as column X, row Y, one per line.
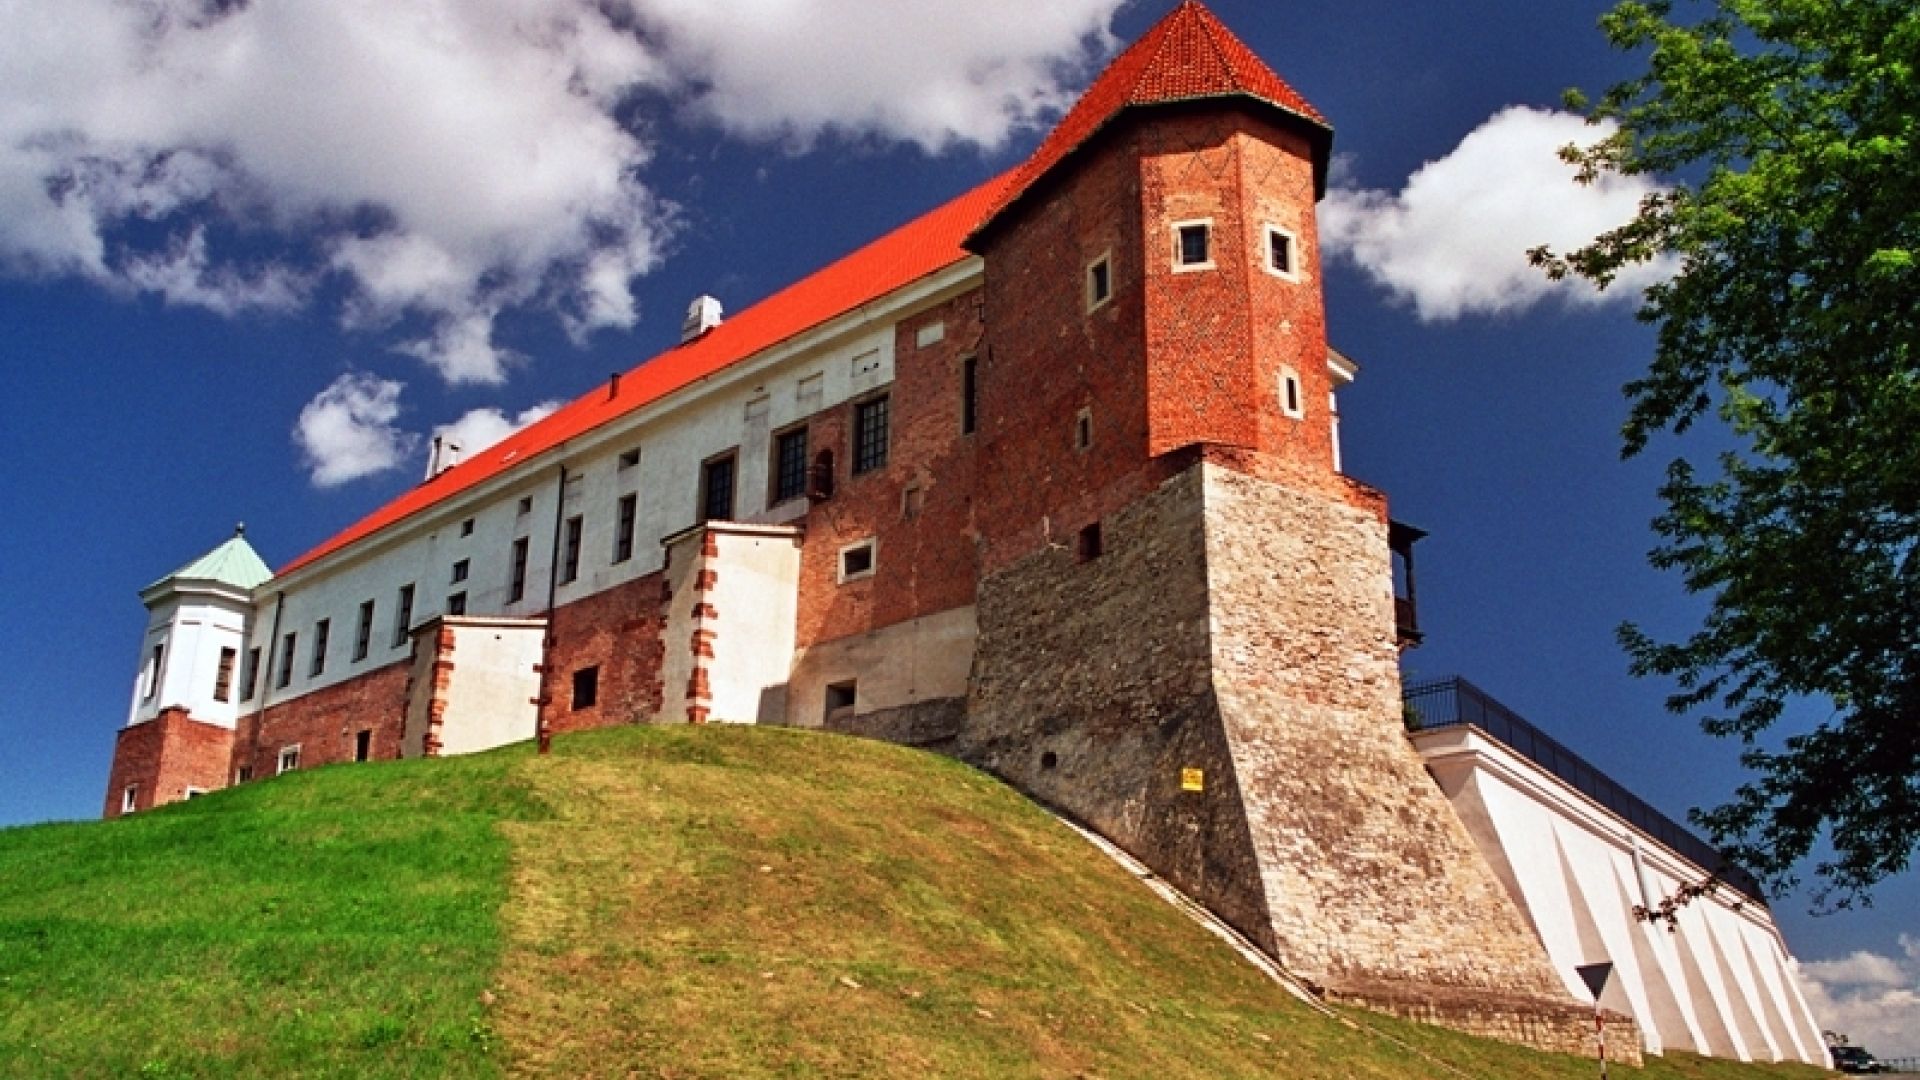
column 544, row 735
column 266, row 676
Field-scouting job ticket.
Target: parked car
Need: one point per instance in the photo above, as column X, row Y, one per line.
column 1852, row 1059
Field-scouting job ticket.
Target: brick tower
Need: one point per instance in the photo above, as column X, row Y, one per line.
column 178, row 741
column 1186, row 622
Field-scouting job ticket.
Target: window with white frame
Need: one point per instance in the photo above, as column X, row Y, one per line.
column 1193, row 245
column 857, row 561
column 289, row 759
column 130, row 798
column 1282, row 254
column 1292, row 401
column 1099, row 281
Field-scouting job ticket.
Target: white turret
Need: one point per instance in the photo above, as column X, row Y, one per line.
column 193, row 654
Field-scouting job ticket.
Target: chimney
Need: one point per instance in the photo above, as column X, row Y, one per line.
column 444, row 455
column 702, row 315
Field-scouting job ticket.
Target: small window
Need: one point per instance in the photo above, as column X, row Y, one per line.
column 129, row 798
column 243, row 774
column 250, row 674
column 869, row 435
column 789, row 465
column 363, row 745
column 195, row 792
column 969, row 394
column 856, row 561
column 626, row 513
column 150, row 684
column 285, row 675
column 1281, row 256
column 402, row 616
column 570, row 549
column 629, row 458
column 1099, row 282
column 223, row 675
column 912, row 500
column 319, row 662
column 460, row 571
column 289, row 759
column 363, row 632
column 841, row 698
column 586, row 688
column 1090, row 546
column 526, row 505
column 517, row 572
column 457, row 604
column 466, row 527
column 1291, row 401
column 1193, row 245
column 716, row 488
column 1083, row 429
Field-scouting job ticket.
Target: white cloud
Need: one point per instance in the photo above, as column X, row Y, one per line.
column 1871, row 998
column 448, row 160
column 931, row 74
column 348, row 430
column 481, row 428
column 1454, row 240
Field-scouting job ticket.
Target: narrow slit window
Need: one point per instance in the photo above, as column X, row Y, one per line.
column 223, row 675
column 318, row 665
column 363, row 745
column 626, row 513
column 1292, row 403
column 1099, row 282
column 1083, row 430
column 716, row 488
column 250, row 674
column 969, row 394
column 517, row 572
column 363, row 632
column 130, row 798
column 402, row 616
column 150, row 687
column 570, row 549
column 285, row 674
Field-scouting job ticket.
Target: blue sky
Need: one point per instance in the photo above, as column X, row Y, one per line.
column 292, row 243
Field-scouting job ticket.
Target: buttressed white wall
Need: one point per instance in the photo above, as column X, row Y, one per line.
column 1720, row 982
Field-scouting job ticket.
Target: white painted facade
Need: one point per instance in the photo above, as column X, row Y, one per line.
column 188, row 626
column 1720, row 982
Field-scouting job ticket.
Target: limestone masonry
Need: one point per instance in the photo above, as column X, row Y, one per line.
column 1048, row 480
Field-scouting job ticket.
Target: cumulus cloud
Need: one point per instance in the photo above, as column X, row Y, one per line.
column 350, row 430
column 481, row 428
column 931, row 74
column 447, row 160
column 1454, row 240
column 1871, row 998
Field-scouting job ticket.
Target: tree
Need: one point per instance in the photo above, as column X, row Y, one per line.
column 1787, row 135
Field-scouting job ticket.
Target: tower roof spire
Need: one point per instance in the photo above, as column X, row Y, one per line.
column 1189, row 55
column 234, row 563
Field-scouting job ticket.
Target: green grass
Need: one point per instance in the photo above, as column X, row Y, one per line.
column 664, row 902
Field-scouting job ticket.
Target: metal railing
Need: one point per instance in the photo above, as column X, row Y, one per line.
column 1454, row 701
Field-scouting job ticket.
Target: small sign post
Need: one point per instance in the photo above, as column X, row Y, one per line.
column 1596, row 976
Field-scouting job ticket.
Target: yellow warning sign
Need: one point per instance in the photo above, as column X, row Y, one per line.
column 1193, row 780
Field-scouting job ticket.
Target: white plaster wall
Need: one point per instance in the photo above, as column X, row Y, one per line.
column 1720, row 982
column 755, row 594
column 922, row 659
column 193, row 627
column 490, row 696
column 738, row 408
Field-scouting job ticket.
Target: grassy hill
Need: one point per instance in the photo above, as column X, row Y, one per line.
column 655, row 902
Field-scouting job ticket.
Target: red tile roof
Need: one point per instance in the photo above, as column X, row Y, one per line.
column 921, row 247
column 1188, row 55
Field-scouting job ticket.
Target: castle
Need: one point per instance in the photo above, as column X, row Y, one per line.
column 1049, row 480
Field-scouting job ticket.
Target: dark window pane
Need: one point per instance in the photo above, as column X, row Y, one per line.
column 790, row 465
column 869, row 435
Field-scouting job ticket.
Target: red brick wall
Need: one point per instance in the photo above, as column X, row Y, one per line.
column 619, row 631
column 326, row 722
column 165, row 756
column 926, row 562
